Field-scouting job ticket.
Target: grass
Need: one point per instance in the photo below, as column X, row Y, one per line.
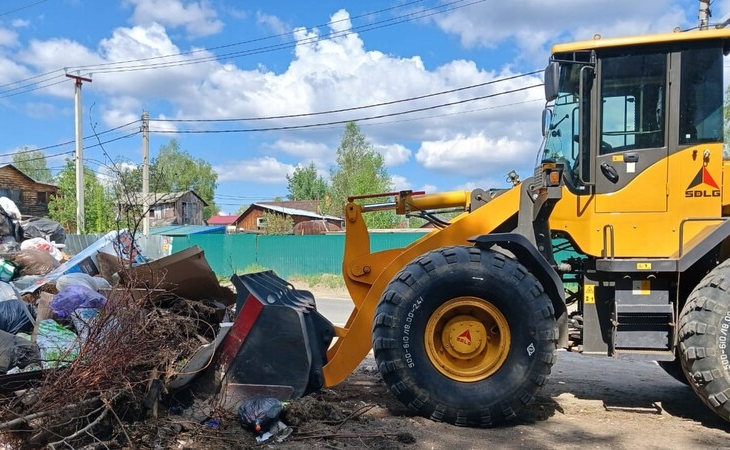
column 324, row 280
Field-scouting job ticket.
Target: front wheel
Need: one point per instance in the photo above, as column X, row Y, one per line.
column 704, row 336
column 465, row 336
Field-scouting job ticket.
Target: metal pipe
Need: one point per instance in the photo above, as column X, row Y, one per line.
column 378, row 207
column 441, row 200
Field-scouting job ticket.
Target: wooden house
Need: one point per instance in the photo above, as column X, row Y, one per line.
column 172, row 208
column 30, row 196
column 252, row 219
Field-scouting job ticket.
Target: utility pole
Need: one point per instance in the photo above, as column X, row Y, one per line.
column 705, row 14
column 79, row 153
column 146, row 173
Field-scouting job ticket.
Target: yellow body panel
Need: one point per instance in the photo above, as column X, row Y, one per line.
column 693, row 190
column 662, row 38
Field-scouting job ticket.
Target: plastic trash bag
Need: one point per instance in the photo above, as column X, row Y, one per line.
column 260, row 413
column 40, row 243
column 81, row 279
column 11, row 209
column 58, row 345
column 8, row 270
column 16, row 351
column 73, row 297
column 44, row 228
column 15, row 316
column 34, row 262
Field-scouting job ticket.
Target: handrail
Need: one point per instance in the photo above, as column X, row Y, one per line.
column 693, row 219
column 604, row 251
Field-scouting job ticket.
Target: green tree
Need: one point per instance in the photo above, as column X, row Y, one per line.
column 359, row 170
column 173, row 170
column 99, row 211
column 305, row 184
column 277, row 223
column 33, row 163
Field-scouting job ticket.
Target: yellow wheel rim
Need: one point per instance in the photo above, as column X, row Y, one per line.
column 467, row 339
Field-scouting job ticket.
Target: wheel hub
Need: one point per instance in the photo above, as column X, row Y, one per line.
column 464, row 337
column 467, row 339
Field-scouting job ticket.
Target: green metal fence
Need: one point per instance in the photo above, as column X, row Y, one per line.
column 293, row 255
column 287, row 255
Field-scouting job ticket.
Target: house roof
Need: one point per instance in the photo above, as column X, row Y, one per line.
column 186, row 230
column 27, row 176
column 222, row 220
column 275, row 206
column 305, row 205
column 159, row 198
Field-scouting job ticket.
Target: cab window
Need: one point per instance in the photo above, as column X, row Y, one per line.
column 633, row 102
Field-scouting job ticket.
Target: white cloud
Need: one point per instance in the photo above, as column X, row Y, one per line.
column 260, row 170
column 393, row 154
column 197, row 17
column 400, row 183
column 8, row 38
column 428, row 188
column 273, row 23
column 20, row 23
column 536, row 24
column 473, row 155
column 304, row 150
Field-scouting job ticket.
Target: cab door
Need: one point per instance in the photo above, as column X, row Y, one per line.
column 631, row 156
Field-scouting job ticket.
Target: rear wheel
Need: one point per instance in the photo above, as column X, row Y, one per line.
column 465, row 336
column 704, row 334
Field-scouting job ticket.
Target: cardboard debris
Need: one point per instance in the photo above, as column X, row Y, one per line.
column 185, row 273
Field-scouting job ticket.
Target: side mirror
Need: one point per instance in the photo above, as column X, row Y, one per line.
column 547, row 119
column 552, row 78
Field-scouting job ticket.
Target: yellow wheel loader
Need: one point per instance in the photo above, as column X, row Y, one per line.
column 465, row 322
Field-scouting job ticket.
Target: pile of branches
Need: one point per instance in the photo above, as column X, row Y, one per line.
column 128, row 352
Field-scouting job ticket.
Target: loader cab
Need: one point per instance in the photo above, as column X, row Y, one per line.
column 619, row 110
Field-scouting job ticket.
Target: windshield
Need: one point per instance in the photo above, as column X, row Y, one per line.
column 561, row 143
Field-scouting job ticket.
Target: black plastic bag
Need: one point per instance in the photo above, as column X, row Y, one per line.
column 16, row 352
column 15, row 316
column 44, row 228
column 260, row 413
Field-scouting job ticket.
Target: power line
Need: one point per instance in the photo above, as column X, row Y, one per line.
column 61, row 144
column 99, row 68
column 22, row 8
column 249, row 41
column 354, row 108
column 339, row 122
column 270, row 48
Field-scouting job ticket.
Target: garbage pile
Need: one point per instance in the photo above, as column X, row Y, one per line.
column 93, row 341
column 97, row 349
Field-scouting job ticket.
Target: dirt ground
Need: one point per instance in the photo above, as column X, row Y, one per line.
column 596, row 403
column 589, row 402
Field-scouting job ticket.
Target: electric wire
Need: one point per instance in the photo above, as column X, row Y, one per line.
column 339, row 122
column 354, row 108
column 22, row 8
column 99, row 68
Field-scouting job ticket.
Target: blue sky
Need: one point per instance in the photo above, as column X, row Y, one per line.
column 210, row 71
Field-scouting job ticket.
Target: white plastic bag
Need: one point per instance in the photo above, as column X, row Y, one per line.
column 42, row 244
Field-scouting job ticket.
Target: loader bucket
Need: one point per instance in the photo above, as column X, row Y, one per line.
column 278, row 337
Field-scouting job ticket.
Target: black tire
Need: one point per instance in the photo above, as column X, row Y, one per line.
column 486, row 292
column 704, row 336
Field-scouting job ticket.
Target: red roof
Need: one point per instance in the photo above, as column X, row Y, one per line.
column 222, row 220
